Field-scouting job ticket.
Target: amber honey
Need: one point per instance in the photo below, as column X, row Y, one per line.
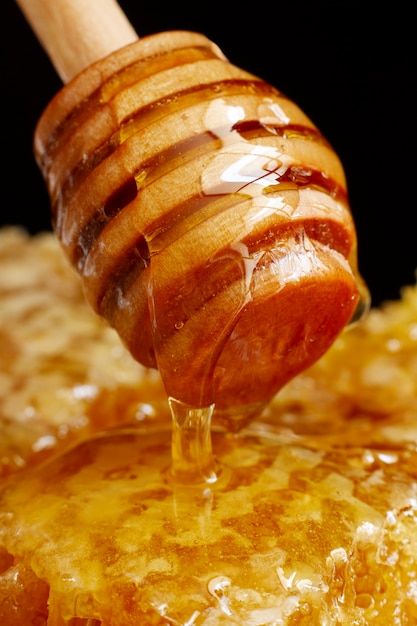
column 289, row 533
column 312, row 518
column 207, row 216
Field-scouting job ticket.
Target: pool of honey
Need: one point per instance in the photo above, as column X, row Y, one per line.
column 288, row 534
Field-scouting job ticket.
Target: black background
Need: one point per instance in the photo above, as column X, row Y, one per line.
column 350, row 66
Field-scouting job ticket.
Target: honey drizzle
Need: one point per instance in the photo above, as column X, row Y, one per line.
column 192, row 456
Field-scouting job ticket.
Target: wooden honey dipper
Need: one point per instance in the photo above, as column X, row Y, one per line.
column 207, row 216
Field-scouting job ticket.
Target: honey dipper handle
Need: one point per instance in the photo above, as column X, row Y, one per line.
column 76, row 33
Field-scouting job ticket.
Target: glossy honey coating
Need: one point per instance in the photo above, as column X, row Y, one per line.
column 207, row 217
